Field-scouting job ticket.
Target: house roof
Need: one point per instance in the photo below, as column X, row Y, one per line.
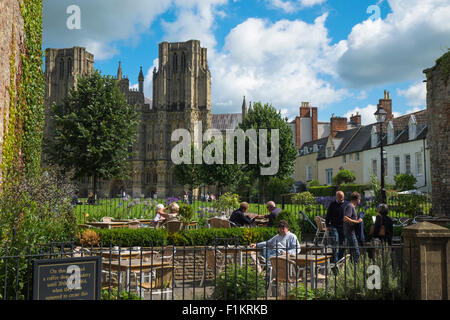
column 226, row 121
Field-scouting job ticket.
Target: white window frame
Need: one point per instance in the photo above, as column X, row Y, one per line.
column 418, row 159
column 406, row 156
column 396, row 172
column 329, row 176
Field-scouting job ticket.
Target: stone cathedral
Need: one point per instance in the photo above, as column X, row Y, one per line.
column 181, row 97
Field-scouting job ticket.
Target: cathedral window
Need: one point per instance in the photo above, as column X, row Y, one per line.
column 175, row 62
column 61, row 69
column 69, row 66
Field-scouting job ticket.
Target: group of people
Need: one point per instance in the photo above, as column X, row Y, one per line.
column 345, row 226
column 162, row 216
column 239, row 218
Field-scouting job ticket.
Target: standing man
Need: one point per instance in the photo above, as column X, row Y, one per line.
column 238, row 216
column 335, row 225
column 272, row 216
column 351, row 221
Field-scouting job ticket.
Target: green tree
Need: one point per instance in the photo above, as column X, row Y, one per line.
column 343, row 176
column 95, row 129
column 278, row 186
column 267, row 117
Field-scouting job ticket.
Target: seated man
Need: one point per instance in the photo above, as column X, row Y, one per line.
column 274, row 211
column 284, row 242
column 239, row 218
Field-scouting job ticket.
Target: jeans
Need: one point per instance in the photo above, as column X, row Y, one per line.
column 337, row 242
column 352, row 242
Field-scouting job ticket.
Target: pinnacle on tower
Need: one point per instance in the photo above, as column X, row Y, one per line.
column 119, row 72
column 141, row 81
column 244, row 108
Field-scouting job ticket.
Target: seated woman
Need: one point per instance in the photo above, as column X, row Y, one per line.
column 91, row 199
column 382, row 219
column 173, row 211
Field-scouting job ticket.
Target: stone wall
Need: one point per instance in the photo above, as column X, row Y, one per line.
column 438, row 106
column 12, row 40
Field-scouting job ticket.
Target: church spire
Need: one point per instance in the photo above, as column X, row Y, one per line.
column 244, row 108
column 250, row 107
column 119, row 72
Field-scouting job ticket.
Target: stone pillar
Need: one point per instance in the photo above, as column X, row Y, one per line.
column 426, row 255
column 438, row 136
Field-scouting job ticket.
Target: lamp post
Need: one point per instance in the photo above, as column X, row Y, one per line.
column 380, row 115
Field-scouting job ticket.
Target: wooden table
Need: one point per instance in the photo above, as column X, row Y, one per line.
column 108, row 225
column 133, row 265
column 311, row 260
column 127, row 254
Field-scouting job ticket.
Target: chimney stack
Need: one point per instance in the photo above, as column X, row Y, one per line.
column 356, row 119
column 386, row 103
column 337, row 124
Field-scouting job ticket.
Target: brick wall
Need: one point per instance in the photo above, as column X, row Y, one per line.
column 438, row 106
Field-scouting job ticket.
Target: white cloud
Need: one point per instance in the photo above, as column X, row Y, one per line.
column 415, row 95
column 280, row 63
column 367, row 114
column 399, row 47
column 103, row 23
column 290, row 6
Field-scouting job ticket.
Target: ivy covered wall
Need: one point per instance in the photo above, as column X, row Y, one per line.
column 22, row 100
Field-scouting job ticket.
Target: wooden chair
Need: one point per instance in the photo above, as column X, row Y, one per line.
column 215, row 260
column 284, row 271
column 225, row 223
column 321, row 232
column 174, row 226
column 159, row 281
column 215, row 222
column 134, row 225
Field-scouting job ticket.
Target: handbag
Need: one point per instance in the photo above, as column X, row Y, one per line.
column 381, row 233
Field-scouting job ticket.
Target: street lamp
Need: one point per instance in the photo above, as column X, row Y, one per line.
column 380, row 115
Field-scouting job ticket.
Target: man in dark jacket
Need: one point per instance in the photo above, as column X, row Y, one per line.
column 272, row 216
column 335, row 225
column 238, row 216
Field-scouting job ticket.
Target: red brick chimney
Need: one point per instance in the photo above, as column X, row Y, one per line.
column 386, row 103
column 356, row 119
column 337, row 124
column 315, row 130
column 297, row 131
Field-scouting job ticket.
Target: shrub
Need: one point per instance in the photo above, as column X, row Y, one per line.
column 323, row 191
column 89, row 238
column 314, row 183
column 114, row 294
column 199, row 237
column 349, row 188
column 344, row 176
column 300, row 293
column 304, row 198
column 186, row 212
column 239, row 283
column 227, row 202
column 404, row 182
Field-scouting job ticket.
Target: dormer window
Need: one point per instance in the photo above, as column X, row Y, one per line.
column 329, row 150
column 390, row 133
column 374, row 137
column 305, row 150
column 315, row 148
column 412, row 128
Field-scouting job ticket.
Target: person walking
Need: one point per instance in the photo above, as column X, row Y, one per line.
column 350, row 222
column 334, row 222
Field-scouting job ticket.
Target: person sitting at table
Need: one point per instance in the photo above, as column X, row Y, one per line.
column 272, row 216
column 238, row 217
column 173, row 212
column 91, row 199
column 284, row 242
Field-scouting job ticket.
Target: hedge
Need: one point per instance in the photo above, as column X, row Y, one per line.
column 326, row 191
column 199, row 237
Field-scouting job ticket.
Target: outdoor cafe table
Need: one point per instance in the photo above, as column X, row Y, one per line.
column 108, row 225
column 133, row 265
column 127, row 254
column 311, row 261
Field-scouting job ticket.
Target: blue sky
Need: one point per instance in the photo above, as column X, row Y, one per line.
column 333, row 53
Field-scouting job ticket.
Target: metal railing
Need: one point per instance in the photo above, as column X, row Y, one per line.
column 226, row 270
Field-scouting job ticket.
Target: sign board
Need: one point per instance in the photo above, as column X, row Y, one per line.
column 67, row 279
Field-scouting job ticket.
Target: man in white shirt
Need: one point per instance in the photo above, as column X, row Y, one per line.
column 284, row 242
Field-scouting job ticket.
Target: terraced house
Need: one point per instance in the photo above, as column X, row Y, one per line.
column 356, row 147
